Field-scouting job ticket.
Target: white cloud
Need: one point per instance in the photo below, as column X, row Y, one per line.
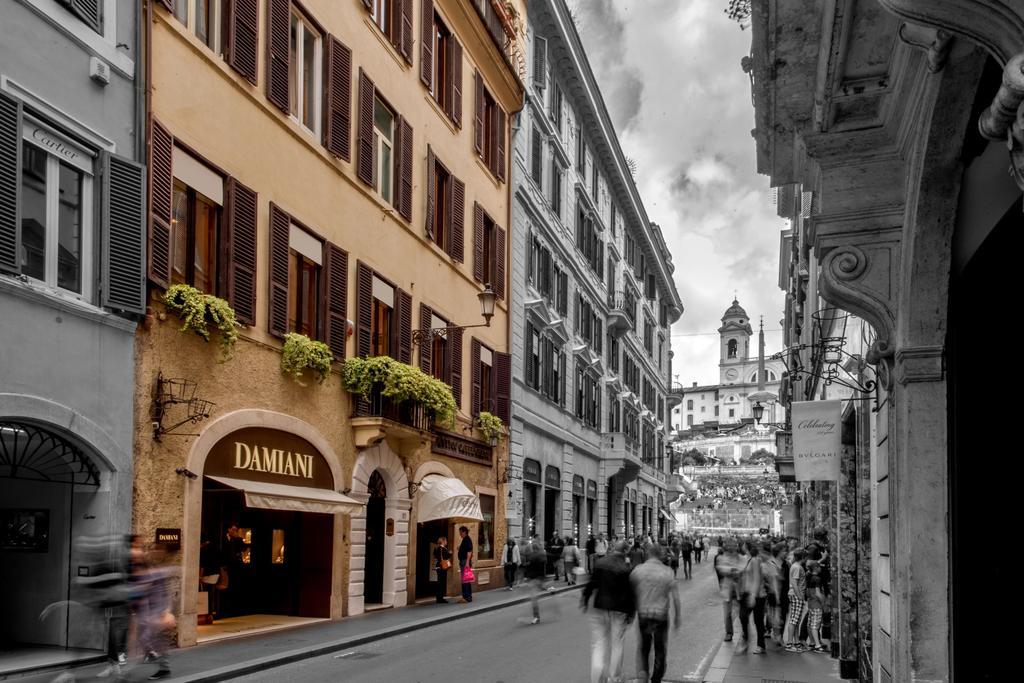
column 670, row 74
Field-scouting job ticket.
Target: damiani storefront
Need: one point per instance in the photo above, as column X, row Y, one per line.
column 263, row 523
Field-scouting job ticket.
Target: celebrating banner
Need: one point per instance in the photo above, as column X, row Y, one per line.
column 816, row 440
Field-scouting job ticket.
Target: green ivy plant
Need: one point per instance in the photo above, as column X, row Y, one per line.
column 490, row 426
column 198, row 311
column 300, row 353
column 399, row 382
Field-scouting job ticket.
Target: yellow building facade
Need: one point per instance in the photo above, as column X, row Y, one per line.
column 337, row 170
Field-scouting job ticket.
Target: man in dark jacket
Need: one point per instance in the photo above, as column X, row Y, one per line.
column 614, row 607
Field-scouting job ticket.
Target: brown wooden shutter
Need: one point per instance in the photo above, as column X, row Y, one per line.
column 161, row 190
column 478, row 243
column 406, row 40
column 478, row 117
column 338, row 99
column 431, row 199
column 365, row 150
column 403, row 318
column 455, row 364
column 503, row 385
column 10, row 183
column 279, row 53
column 240, row 243
column 368, row 4
column 405, row 175
column 474, row 361
column 498, row 254
column 455, row 81
column 168, row 5
column 280, row 227
column 335, row 300
column 364, row 309
column 426, row 347
column 241, row 37
column 458, row 220
column 427, row 42
column 499, row 134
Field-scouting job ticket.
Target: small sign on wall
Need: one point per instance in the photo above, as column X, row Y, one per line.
column 389, row 527
column 169, row 538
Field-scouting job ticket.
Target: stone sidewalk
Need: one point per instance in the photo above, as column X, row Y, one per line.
column 776, row 665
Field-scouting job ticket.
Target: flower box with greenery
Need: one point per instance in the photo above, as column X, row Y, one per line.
column 491, row 426
column 400, row 383
column 198, row 311
column 300, row 353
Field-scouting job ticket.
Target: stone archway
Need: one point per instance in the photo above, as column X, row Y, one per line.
column 193, row 501
column 381, row 459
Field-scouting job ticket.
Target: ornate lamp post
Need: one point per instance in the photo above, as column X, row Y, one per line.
column 487, row 300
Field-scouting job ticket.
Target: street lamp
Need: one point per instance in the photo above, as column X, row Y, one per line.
column 487, row 300
column 758, row 411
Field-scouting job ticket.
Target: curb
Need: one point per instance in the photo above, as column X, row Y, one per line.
column 292, row 656
column 697, row 675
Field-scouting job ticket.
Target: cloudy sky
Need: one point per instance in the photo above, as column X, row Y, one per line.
column 671, row 77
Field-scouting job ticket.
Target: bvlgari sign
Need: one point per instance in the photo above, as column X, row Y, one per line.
column 269, row 455
column 816, row 440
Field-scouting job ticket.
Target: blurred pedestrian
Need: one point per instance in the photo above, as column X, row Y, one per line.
column 685, row 549
column 591, row 548
column 536, row 573
column 728, row 568
column 654, row 587
column 600, row 549
column 752, row 598
column 614, row 607
column 698, row 548
column 510, row 560
column 152, row 606
column 554, row 549
column 442, row 563
column 571, row 560
column 797, row 603
column 108, row 588
column 466, row 562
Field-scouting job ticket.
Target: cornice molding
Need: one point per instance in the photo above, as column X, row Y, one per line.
column 995, row 24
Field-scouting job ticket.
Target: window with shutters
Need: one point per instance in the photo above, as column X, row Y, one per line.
column 305, row 261
column 489, row 129
column 534, row 361
column 561, row 291
column 613, row 353
column 555, row 101
column 89, row 11
column 490, row 250
column 204, row 18
column 383, row 308
column 556, row 188
column 440, row 363
column 537, row 157
column 441, row 83
column 384, row 144
column 614, row 412
column 487, row 383
column 648, row 335
column 56, row 211
column 441, row 215
column 305, row 81
column 387, row 14
column 195, row 239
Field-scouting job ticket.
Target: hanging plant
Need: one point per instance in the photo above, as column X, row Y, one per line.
column 491, row 426
column 198, row 311
column 399, row 382
column 300, row 353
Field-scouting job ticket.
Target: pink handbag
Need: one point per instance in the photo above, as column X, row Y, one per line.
column 467, row 574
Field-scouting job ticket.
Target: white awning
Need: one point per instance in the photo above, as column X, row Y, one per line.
column 259, row 494
column 441, row 497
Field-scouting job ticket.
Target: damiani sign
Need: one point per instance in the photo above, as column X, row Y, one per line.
column 816, row 440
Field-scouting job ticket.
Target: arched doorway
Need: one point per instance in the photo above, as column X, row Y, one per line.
column 50, row 495
column 373, row 585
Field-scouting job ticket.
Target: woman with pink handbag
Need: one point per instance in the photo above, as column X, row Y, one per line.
column 465, row 564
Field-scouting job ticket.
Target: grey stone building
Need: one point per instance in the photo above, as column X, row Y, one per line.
column 592, row 302
column 71, row 290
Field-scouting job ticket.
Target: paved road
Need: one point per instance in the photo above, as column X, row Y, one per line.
column 503, row 646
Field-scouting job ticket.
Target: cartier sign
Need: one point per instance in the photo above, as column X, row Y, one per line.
column 269, row 455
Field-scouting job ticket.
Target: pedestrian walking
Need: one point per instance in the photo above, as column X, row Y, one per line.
column 698, row 548
column 654, row 587
column 108, row 588
column 614, row 608
column 752, row 599
column 466, row 563
column 510, row 560
column 442, row 563
column 815, row 600
column 591, row 549
column 536, row 572
column 152, row 607
column 637, row 553
column 675, row 549
column 554, row 550
column 571, row 560
column 728, row 568
column 600, row 548
column 685, row 548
